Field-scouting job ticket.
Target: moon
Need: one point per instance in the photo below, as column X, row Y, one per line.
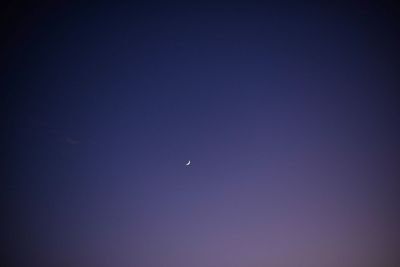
column 187, row 164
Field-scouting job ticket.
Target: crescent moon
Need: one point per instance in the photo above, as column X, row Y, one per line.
column 187, row 164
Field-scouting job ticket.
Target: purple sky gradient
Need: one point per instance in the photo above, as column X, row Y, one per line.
column 288, row 115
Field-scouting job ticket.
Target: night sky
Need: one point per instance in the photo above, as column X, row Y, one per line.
column 288, row 114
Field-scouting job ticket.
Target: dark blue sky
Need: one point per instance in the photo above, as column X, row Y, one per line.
column 288, row 114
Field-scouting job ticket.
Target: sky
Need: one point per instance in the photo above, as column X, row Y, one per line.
column 288, row 114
